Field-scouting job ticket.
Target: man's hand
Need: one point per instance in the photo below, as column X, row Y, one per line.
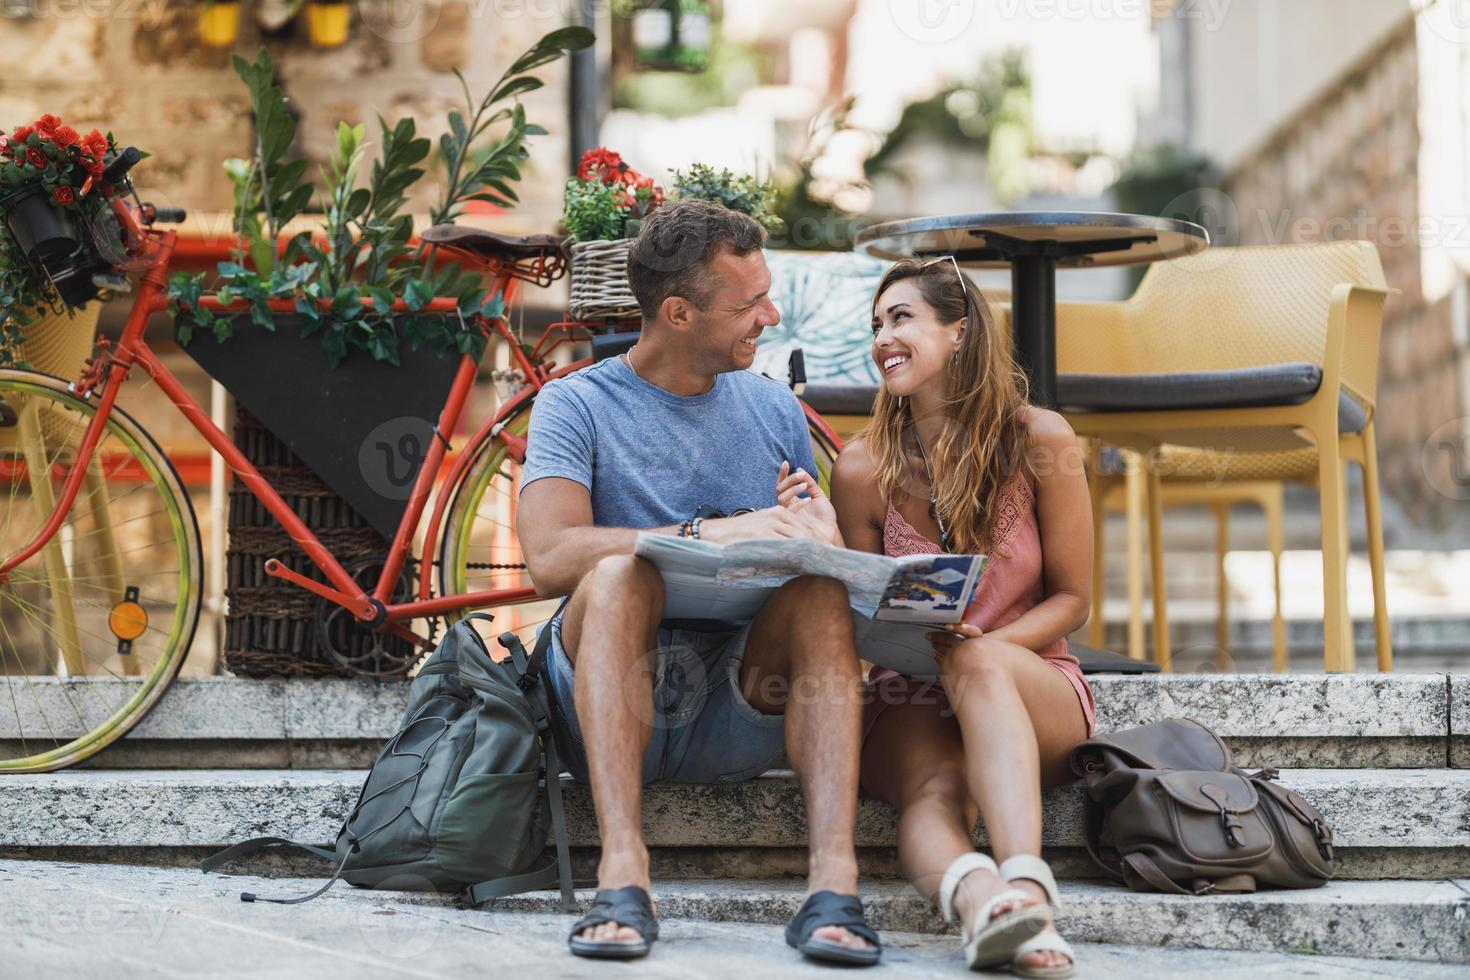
column 815, row 510
column 773, row 522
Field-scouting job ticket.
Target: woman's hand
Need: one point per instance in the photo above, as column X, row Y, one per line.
column 815, row 510
column 945, row 640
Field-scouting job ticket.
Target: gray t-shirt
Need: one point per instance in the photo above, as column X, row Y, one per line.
column 652, row 458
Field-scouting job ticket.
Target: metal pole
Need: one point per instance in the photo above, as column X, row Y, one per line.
column 1033, row 323
column 583, row 91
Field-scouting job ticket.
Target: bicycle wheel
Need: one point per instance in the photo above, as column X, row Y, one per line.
column 95, row 625
column 479, row 548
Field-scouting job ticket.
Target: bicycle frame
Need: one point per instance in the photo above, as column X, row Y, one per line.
column 369, row 608
column 372, row 609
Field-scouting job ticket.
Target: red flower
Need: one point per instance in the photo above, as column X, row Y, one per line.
column 22, row 133
column 93, row 167
column 47, row 125
column 62, row 195
column 65, row 136
column 36, row 157
column 603, row 165
column 94, row 144
column 4, row 145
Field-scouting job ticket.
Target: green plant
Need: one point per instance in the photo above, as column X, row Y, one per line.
column 606, row 198
column 344, row 281
column 742, row 193
column 592, row 211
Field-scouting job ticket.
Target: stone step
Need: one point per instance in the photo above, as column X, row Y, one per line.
column 1419, row 920
column 1285, row 720
column 142, row 921
column 1388, row 823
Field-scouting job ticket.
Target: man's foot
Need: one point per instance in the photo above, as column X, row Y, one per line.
column 619, row 925
column 826, row 925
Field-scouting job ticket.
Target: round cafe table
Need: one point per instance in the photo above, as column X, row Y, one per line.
column 1034, row 244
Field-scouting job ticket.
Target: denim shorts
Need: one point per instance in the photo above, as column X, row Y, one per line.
column 704, row 731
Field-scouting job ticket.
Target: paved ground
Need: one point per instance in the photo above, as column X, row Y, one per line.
column 104, row 921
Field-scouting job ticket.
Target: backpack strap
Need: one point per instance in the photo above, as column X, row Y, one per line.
column 550, row 871
column 256, row 844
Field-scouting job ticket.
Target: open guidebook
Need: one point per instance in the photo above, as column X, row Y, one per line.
column 895, row 601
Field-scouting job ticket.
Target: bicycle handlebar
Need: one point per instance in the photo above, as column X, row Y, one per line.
column 118, row 168
column 170, row 216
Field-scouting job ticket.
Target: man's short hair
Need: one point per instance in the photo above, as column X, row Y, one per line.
column 677, row 243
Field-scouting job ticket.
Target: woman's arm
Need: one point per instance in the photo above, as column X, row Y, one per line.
column 859, row 504
column 1064, row 519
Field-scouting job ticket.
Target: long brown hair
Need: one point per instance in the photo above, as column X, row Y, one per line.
column 984, row 435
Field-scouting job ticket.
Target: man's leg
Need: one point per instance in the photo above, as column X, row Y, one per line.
column 801, row 661
column 610, row 633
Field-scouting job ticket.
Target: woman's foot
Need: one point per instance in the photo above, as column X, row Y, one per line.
column 979, row 887
column 997, row 917
column 1041, row 959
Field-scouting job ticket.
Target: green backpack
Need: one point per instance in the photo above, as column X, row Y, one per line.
column 462, row 797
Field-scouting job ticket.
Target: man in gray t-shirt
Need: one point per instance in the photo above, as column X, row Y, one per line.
column 643, row 442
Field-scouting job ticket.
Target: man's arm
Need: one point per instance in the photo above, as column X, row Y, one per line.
column 558, row 539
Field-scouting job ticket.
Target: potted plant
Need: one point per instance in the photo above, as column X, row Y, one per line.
column 605, row 202
column 56, row 236
column 738, row 192
column 219, row 22
column 343, row 362
column 327, row 22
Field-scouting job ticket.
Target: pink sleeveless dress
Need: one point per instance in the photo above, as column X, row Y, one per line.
column 1010, row 585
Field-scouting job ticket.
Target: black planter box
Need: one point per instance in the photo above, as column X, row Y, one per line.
column 364, row 426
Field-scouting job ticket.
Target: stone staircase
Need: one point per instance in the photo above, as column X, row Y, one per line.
column 1385, row 757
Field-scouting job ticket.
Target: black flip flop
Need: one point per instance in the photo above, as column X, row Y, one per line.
column 629, row 906
column 831, row 909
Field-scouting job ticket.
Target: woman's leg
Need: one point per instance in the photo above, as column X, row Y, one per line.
column 1019, row 718
column 914, row 759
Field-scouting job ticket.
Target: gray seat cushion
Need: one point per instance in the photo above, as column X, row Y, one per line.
column 841, row 399
column 1272, row 384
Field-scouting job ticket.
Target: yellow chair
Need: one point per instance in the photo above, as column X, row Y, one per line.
column 1243, row 351
column 1193, row 476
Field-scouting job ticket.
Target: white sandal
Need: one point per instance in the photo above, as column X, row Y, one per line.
column 997, row 939
column 1032, row 868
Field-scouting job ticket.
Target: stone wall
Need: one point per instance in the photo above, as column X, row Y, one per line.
column 1346, row 167
column 137, row 67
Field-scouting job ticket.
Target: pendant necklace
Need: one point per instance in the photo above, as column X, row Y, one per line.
column 933, row 497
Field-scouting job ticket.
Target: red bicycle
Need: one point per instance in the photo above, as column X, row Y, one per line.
column 101, row 579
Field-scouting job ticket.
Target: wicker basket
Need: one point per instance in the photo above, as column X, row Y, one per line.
column 599, row 280
column 270, row 627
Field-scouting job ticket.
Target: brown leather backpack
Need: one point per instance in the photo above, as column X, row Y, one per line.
column 1167, row 811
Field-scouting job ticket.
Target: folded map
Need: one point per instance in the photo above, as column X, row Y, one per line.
column 895, row 601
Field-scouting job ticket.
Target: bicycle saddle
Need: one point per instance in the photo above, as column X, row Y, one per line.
column 490, row 245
